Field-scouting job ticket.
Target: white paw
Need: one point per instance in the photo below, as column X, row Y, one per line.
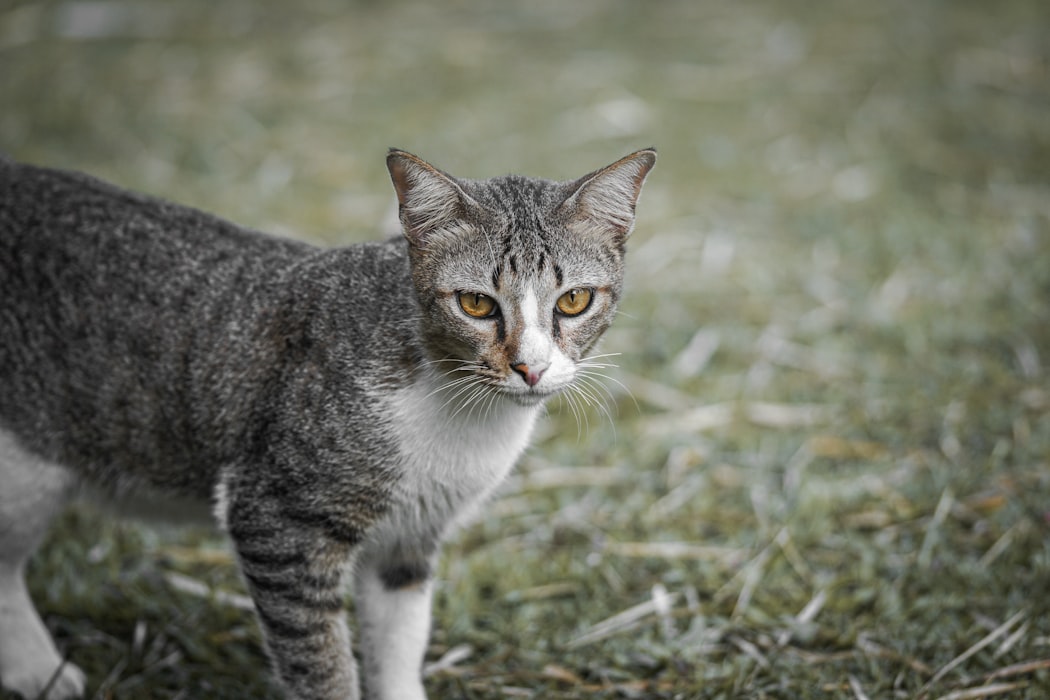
column 30, row 683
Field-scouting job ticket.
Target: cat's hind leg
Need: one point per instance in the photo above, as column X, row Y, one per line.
column 31, row 492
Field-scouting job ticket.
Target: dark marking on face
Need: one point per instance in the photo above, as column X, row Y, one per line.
column 501, row 329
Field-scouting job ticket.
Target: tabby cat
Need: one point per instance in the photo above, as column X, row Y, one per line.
column 339, row 409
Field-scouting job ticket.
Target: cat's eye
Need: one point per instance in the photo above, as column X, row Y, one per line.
column 477, row 304
column 574, row 302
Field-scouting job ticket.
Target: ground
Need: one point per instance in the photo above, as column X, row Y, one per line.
column 821, row 467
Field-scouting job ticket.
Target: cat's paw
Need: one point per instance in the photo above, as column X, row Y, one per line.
column 62, row 683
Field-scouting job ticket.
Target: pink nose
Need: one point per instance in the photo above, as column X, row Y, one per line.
column 531, row 375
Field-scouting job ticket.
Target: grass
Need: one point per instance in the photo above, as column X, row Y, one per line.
column 830, row 478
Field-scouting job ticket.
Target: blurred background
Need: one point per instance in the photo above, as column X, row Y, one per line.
column 821, row 468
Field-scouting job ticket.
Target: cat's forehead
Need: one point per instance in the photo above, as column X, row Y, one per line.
column 520, row 201
column 522, row 224
column 525, row 242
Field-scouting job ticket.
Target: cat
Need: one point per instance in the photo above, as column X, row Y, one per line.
column 339, row 409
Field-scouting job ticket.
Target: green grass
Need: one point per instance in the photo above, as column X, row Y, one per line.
column 847, row 495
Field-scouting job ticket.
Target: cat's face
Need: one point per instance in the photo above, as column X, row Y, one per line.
column 517, row 278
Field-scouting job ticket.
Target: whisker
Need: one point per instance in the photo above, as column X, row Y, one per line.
column 461, row 364
column 592, row 396
column 470, row 400
column 577, row 411
column 477, row 401
column 596, row 386
column 489, row 403
column 620, row 384
column 590, row 388
column 454, row 383
column 601, row 356
column 583, row 423
column 470, row 388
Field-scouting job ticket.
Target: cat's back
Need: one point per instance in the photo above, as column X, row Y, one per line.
column 70, row 230
column 116, row 308
column 90, row 269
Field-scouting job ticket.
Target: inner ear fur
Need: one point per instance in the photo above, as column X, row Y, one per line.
column 427, row 198
column 607, row 197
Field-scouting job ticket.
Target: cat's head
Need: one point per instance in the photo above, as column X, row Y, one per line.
column 517, row 278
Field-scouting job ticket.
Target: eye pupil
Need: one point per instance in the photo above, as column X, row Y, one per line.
column 477, row 305
column 574, row 302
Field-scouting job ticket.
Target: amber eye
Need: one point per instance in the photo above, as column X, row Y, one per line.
column 574, row 302
column 477, row 305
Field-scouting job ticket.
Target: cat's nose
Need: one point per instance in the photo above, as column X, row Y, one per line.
column 531, row 375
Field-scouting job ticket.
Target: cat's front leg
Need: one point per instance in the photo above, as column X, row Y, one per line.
column 393, row 603
column 295, row 579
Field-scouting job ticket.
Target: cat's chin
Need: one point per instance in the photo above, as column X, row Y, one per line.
column 530, row 398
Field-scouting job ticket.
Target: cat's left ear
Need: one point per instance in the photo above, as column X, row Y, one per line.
column 606, row 198
column 427, row 198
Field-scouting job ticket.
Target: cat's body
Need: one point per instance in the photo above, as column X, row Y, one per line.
column 340, row 409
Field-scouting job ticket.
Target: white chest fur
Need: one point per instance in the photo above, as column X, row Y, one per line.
column 454, row 455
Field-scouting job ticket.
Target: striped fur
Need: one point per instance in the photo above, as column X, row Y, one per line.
column 340, row 409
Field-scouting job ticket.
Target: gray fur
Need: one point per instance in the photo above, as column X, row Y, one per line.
column 144, row 344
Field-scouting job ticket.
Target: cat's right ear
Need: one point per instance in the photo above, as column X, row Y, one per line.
column 427, row 198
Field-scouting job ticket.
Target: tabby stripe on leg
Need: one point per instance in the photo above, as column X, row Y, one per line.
column 272, row 581
column 334, row 528
column 271, row 558
column 286, row 629
column 292, row 593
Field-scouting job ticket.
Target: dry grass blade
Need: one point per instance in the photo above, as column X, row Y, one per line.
column 785, row 415
column 857, row 688
column 694, row 420
column 806, row 615
column 1019, row 669
column 663, row 603
column 544, row 592
column 871, row 648
column 985, row 641
column 561, row 674
column 564, row 477
column 623, row 621
column 764, row 414
column 984, row 691
column 656, row 394
column 697, row 354
column 449, row 659
column 731, row 556
column 751, row 651
column 186, row 584
column 929, row 541
column 1011, row 641
column 997, row 549
column 677, row 498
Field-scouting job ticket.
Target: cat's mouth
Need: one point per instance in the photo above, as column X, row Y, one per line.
column 529, row 397
column 475, row 383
